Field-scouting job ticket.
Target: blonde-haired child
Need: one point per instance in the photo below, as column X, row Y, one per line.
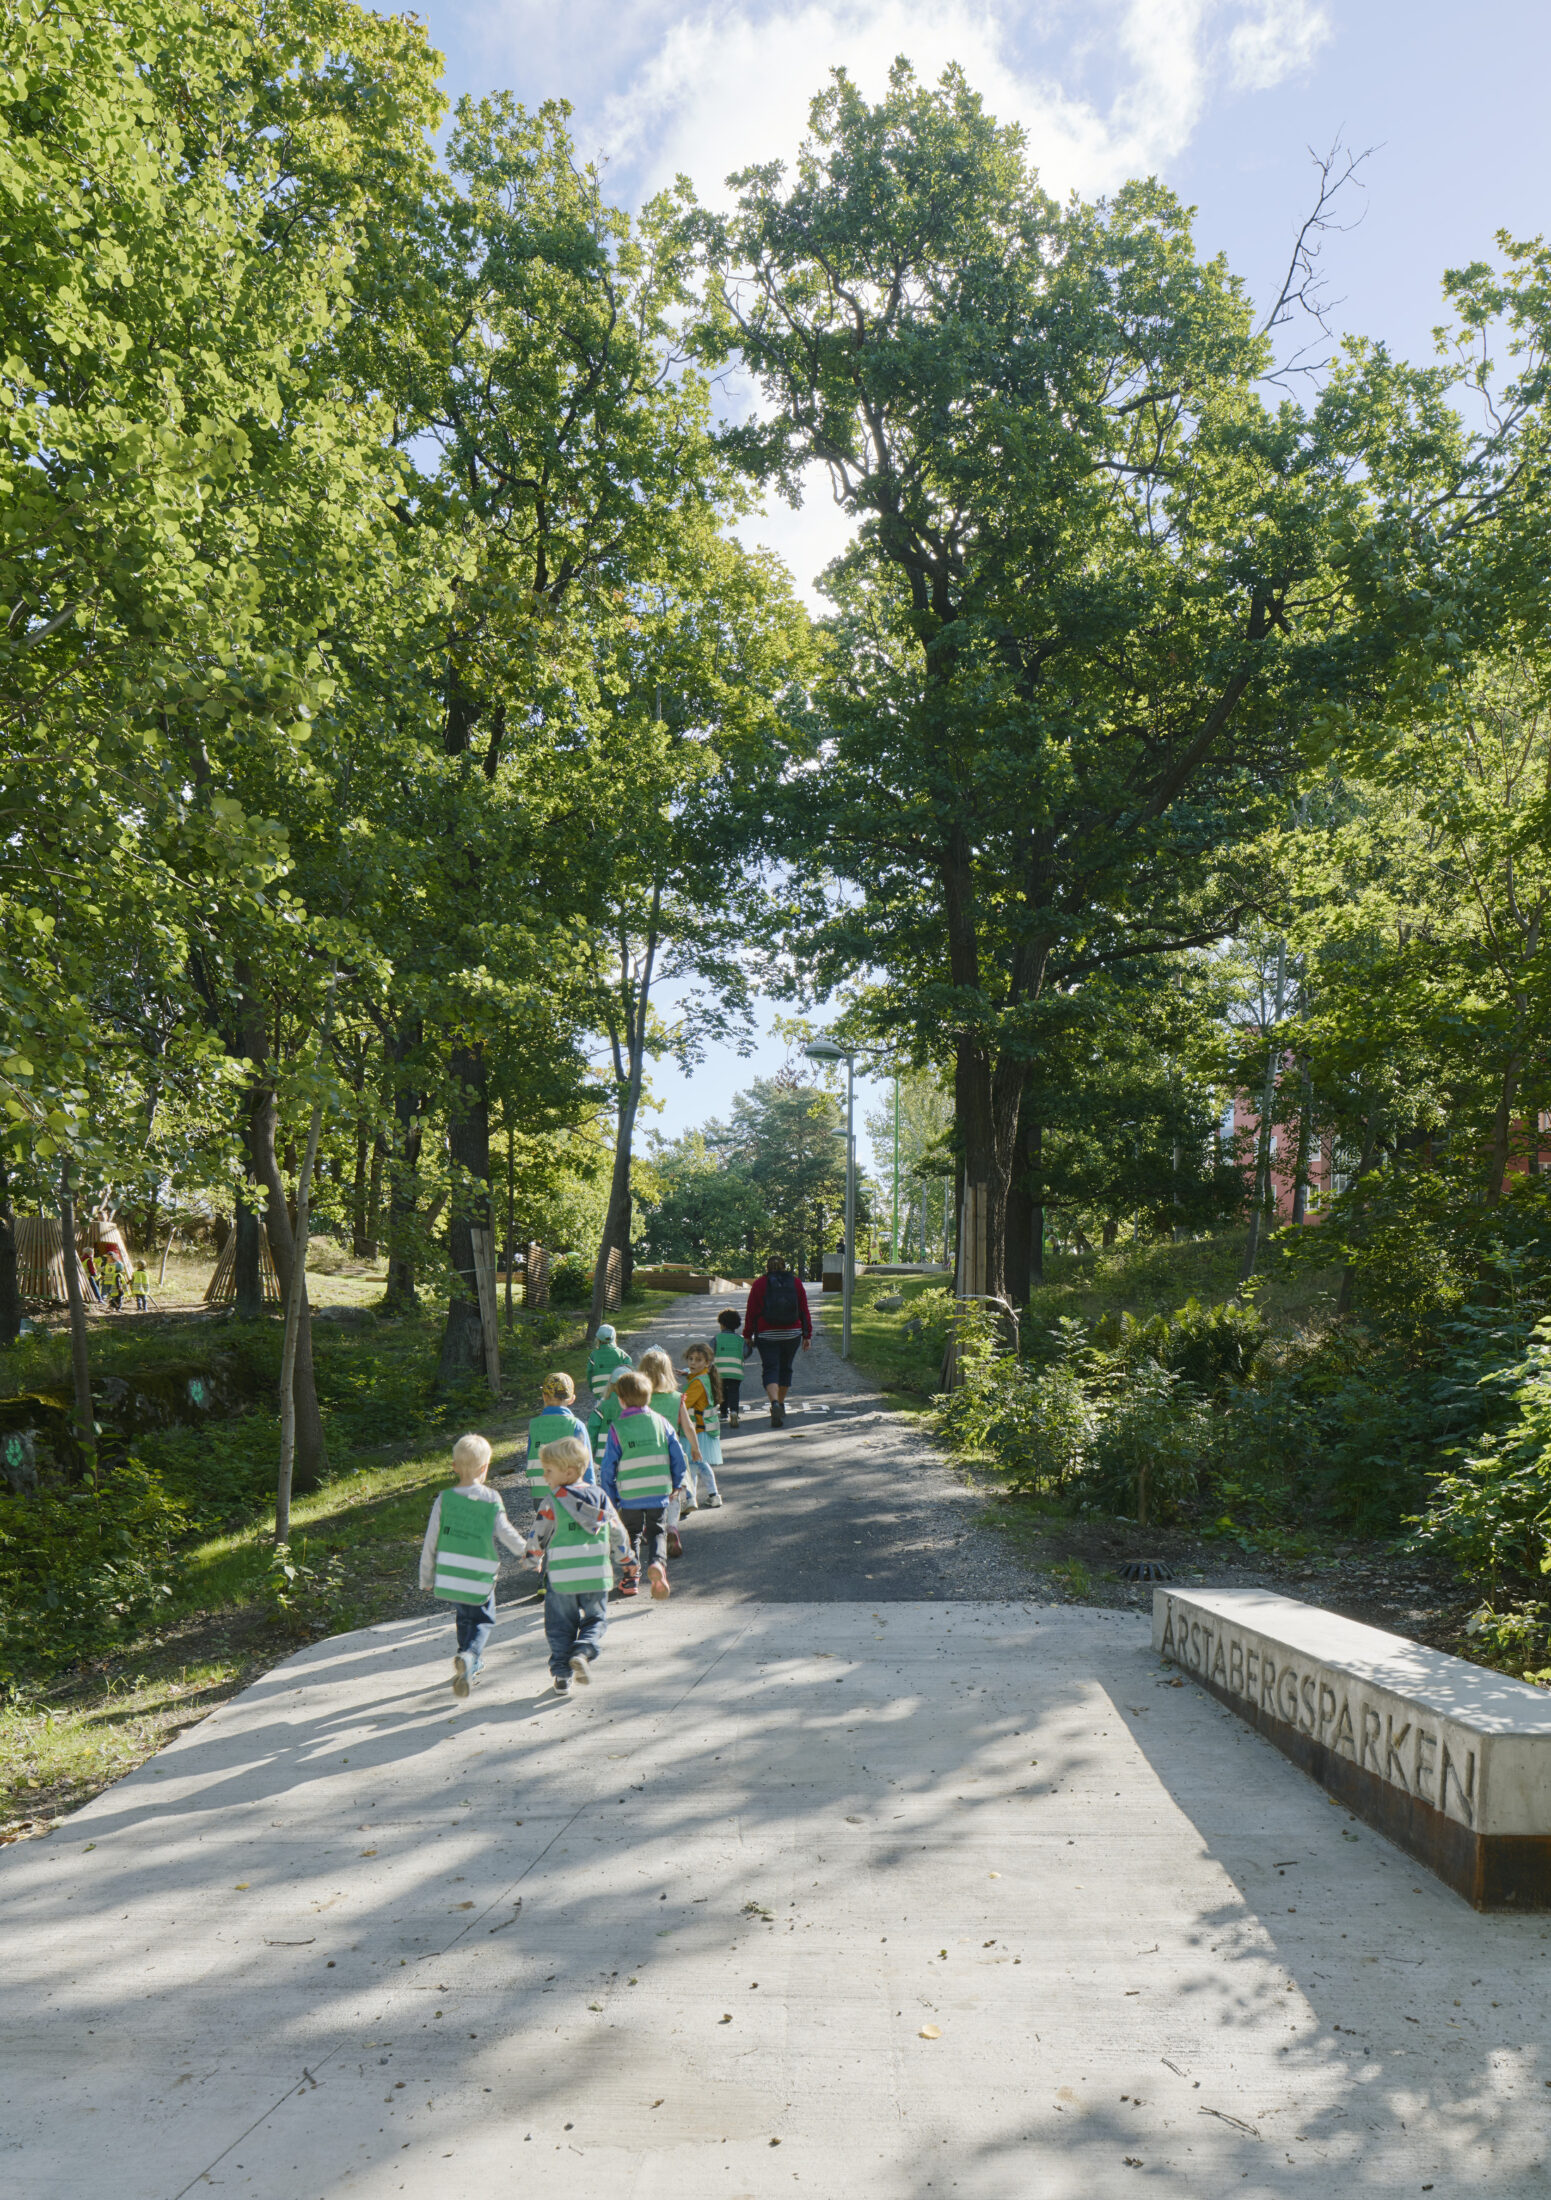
column 555, row 1419
column 702, row 1402
column 657, row 1367
column 458, row 1560
column 578, row 1531
column 643, row 1468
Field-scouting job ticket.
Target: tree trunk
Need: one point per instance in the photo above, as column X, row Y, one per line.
column 1263, row 1139
column 617, row 1222
column 1502, row 1133
column 1025, row 1214
column 10, row 1289
column 311, row 1451
column 400, row 1295
column 80, row 1357
column 1365, row 1163
column 468, row 1146
column 358, row 1190
column 1300, row 1205
column 248, row 1262
column 374, row 1199
column 296, row 1315
column 635, row 1000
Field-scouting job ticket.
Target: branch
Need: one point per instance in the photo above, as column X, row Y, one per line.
column 1303, row 286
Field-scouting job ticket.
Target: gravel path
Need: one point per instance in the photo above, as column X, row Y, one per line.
column 851, row 1500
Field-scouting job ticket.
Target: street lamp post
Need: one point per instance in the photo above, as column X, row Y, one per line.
column 829, row 1050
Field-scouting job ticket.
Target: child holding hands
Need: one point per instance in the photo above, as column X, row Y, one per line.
column 577, row 1531
column 643, row 1465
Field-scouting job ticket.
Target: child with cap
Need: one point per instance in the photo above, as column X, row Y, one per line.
column 604, row 1361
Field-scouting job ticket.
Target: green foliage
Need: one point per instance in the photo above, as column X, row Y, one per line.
column 1155, row 1441
column 1491, row 1512
column 84, row 1569
column 570, row 1283
column 1517, row 1640
column 1210, row 1347
column 302, row 1586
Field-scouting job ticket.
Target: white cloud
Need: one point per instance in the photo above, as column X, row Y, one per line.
column 1104, row 89
column 723, row 88
column 1274, row 43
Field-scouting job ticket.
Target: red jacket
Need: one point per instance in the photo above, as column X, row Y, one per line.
column 754, row 1313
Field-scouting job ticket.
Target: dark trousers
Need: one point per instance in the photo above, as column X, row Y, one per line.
column 574, row 1626
column 645, row 1525
column 777, row 1356
column 731, row 1385
column 474, row 1624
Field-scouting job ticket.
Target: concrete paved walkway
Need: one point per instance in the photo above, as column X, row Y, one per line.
column 870, row 1897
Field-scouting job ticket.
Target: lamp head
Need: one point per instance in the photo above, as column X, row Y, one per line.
column 825, row 1050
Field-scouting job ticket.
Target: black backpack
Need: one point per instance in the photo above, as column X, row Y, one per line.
column 781, row 1301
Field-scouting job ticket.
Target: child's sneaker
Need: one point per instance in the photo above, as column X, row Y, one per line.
column 675, row 1544
column 579, row 1672
column 713, row 1501
column 657, row 1574
column 732, row 1420
column 562, row 1684
column 630, row 1578
column 462, row 1673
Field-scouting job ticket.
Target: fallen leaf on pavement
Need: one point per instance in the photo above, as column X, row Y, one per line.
column 929, row 2032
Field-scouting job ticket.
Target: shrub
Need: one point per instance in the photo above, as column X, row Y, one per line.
column 1211, row 1347
column 1515, row 1641
column 1155, row 1439
column 1492, row 1513
column 82, row 1569
column 570, row 1282
column 302, row 1585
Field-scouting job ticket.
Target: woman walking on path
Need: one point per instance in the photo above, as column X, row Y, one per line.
column 777, row 1320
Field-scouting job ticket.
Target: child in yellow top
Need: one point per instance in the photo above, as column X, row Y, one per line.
column 702, row 1402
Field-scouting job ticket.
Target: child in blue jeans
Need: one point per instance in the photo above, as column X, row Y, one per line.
column 578, row 1531
column 458, row 1559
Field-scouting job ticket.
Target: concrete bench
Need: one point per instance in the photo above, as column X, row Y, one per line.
column 1452, row 1762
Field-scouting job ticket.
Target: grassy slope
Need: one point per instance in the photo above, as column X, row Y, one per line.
column 65, row 1738
column 1146, row 1280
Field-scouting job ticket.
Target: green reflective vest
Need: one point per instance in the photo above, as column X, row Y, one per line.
column 548, row 1427
column 601, row 1420
column 728, row 1346
column 577, row 1562
column 466, row 1561
column 644, row 1474
column 606, row 1358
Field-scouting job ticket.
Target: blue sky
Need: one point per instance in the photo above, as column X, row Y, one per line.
column 1221, row 98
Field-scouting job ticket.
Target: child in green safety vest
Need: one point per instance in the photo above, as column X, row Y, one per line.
column 554, row 1419
column 657, row 1367
column 643, row 1465
column 730, row 1352
column 604, row 1361
column 140, row 1284
column 458, row 1559
column 578, row 1532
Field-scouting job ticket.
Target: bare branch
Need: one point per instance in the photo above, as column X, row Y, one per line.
column 1303, row 288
